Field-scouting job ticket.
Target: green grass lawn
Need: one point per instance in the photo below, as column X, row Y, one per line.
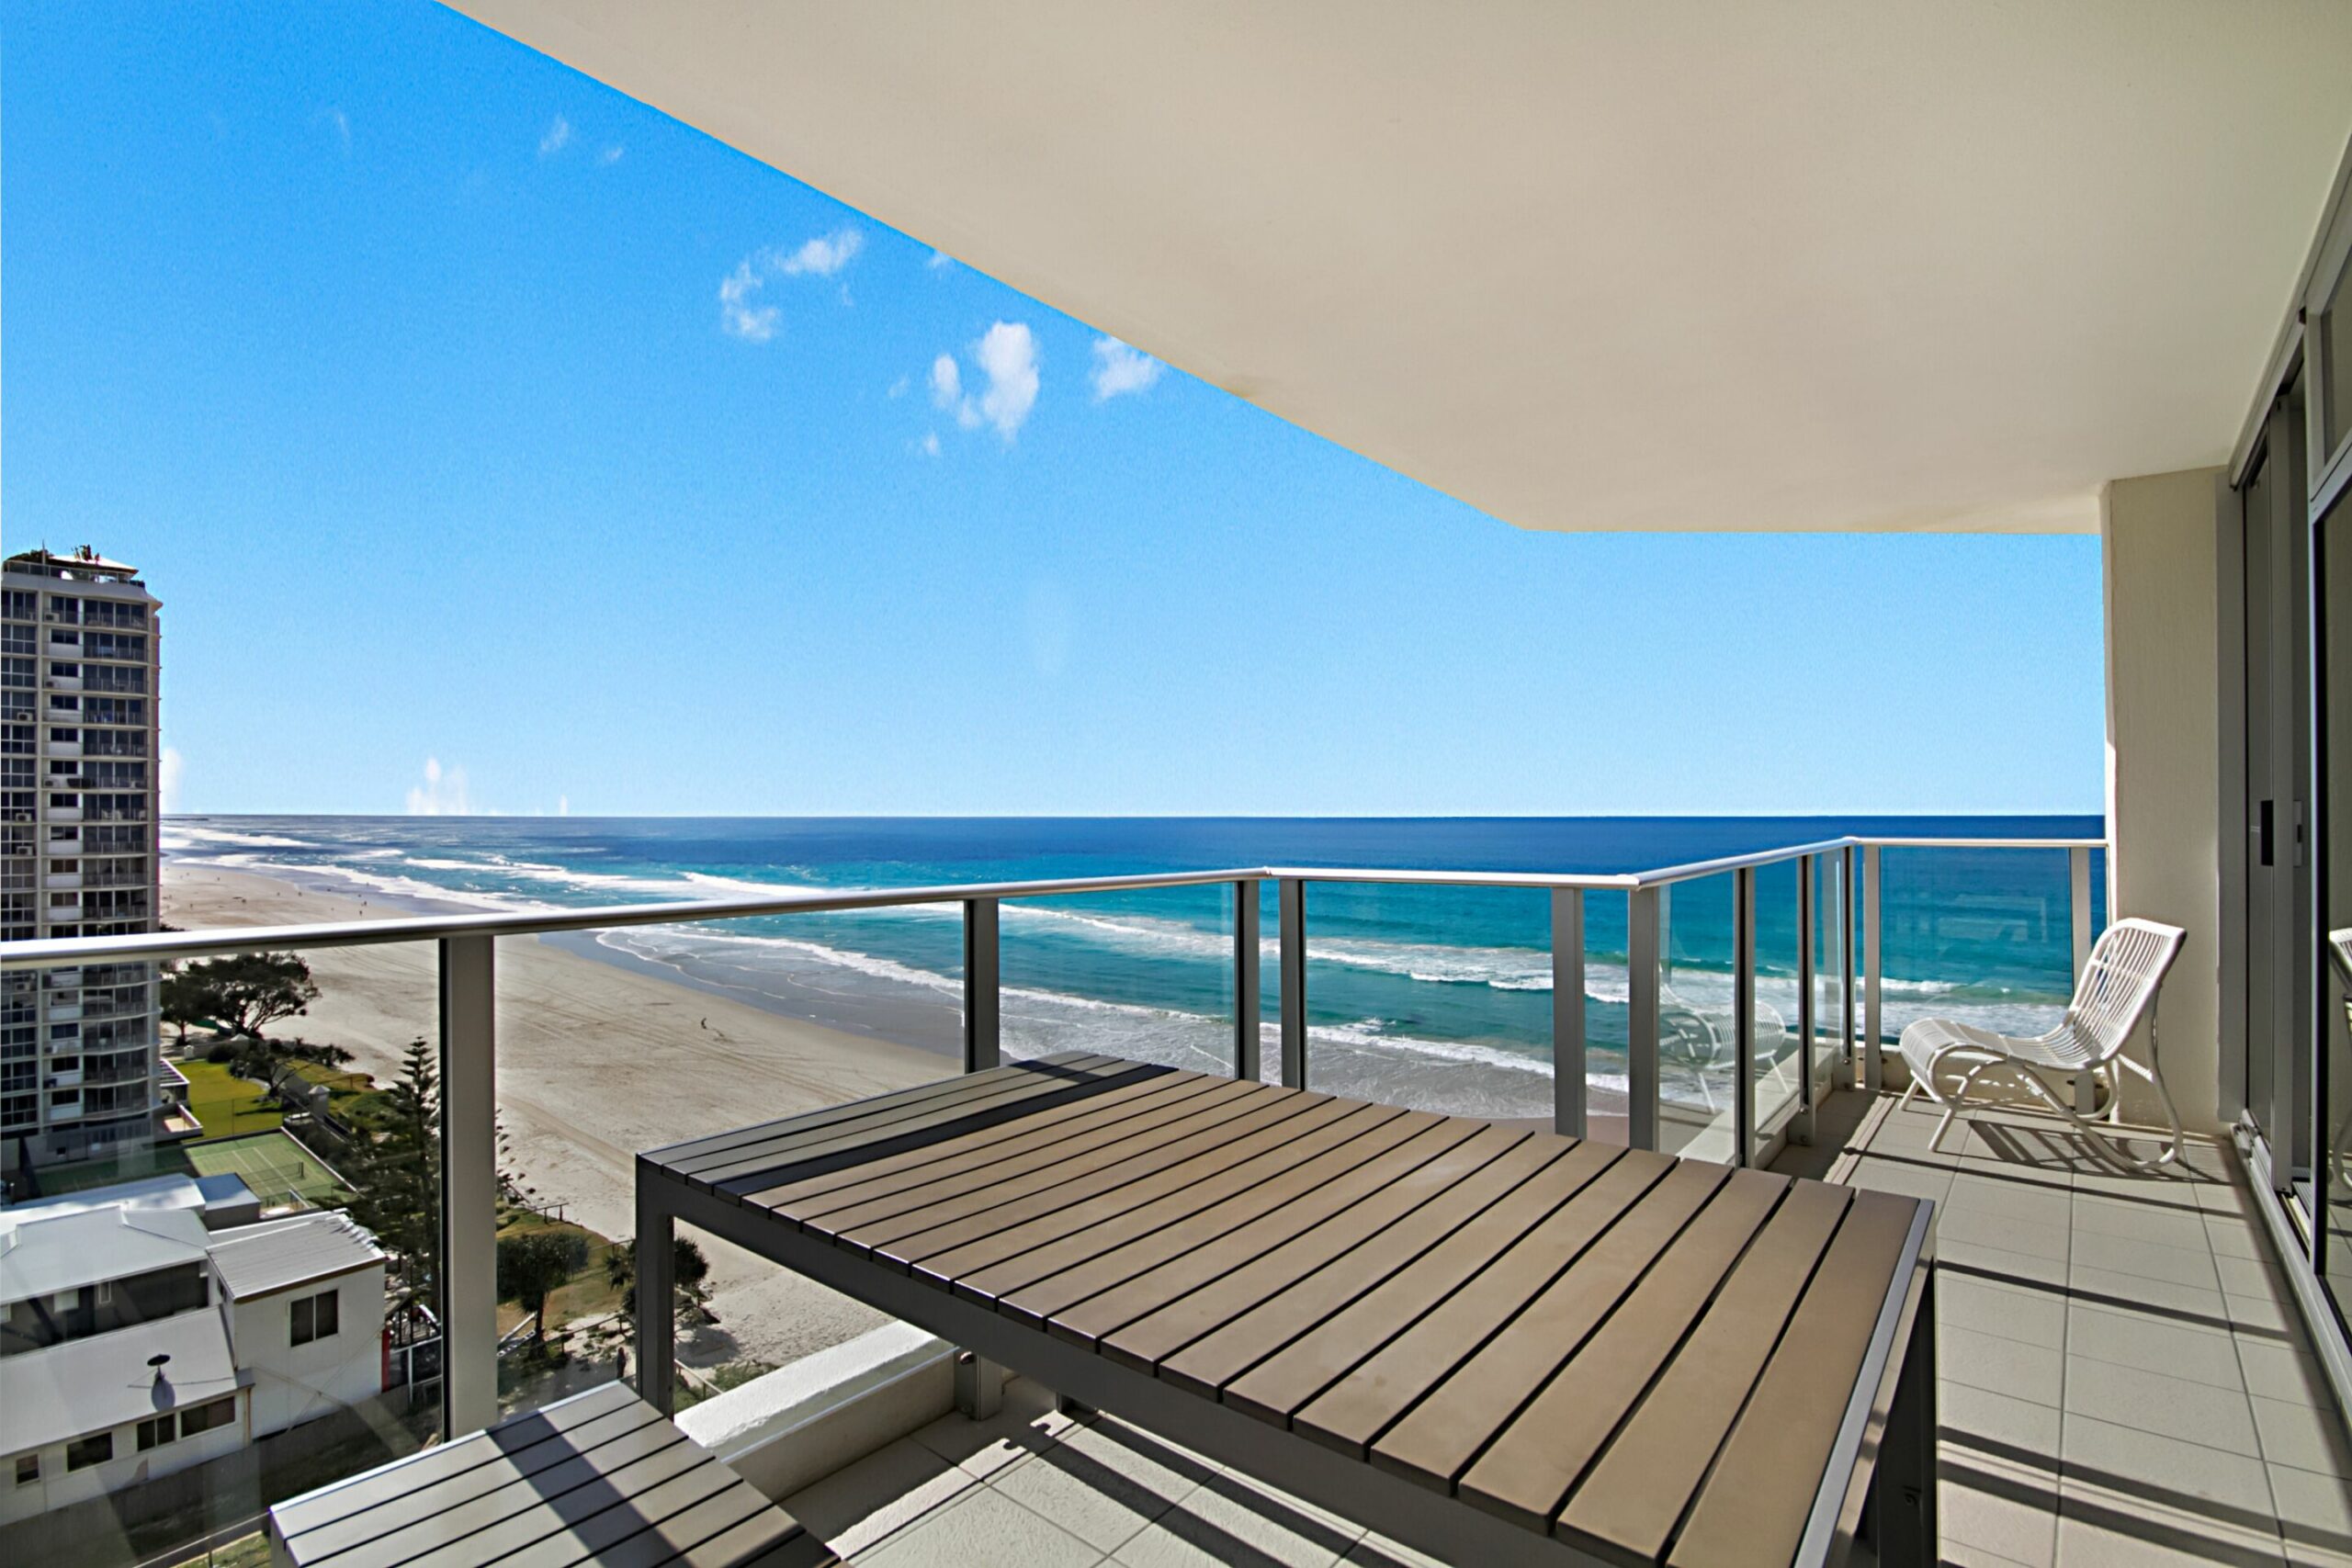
column 227, row 1104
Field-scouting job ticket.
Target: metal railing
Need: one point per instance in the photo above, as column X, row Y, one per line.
column 468, row 1006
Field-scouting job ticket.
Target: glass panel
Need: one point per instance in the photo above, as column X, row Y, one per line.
column 1145, row 974
column 2333, row 570
column 174, row 1093
column 1776, row 1069
column 1696, row 1033
column 612, row 1043
column 1434, row 998
column 2336, row 357
column 1984, row 936
column 1828, row 969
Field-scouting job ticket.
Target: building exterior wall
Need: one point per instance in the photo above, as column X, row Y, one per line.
column 79, row 814
column 2163, row 734
column 58, row 1487
column 293, row 1384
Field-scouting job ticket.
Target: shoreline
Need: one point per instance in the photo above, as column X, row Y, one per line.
column 596, row 1061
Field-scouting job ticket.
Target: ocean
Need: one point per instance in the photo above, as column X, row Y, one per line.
column 1430, row 995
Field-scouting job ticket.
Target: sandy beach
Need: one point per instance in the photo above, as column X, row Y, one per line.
column 595, row 1062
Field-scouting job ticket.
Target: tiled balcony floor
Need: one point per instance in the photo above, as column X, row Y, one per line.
column 2124, row 1380
column 2124, row 1377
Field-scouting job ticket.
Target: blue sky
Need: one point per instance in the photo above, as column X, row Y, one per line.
column 460, row 410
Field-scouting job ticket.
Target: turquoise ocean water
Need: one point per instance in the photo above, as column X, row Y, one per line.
column 1428, row 995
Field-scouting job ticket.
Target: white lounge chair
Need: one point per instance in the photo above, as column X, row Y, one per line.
column 2119, row 986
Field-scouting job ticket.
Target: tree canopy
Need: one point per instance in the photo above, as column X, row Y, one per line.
column 533, row 1265
column 245, row 992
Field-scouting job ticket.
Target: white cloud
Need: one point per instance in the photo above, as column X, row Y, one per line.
column 737, row 314
column 1119, row 369
column 939, row 259
column 931, row 444
column 559, row 135
column 1007, row 354
column 611, row 155
column 443, row 794
column 169, row 769
column 563, row 805
column 822, row 257
column 342, row 123
column 899, row 389
column 946, row 382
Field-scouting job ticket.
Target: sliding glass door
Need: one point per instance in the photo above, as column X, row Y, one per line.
column 2278, row 945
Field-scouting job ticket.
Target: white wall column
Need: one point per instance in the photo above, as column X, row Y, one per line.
column 2163, row 758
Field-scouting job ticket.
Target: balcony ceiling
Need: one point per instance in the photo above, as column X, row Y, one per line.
column 1640, row 265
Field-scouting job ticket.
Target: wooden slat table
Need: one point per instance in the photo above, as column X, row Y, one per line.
column 1569, row 1351
column 601, row 1477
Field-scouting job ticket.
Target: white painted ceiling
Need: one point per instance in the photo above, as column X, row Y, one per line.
column 1633, row 264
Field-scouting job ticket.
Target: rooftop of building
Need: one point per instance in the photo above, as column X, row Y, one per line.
column 109, row 1380
column 254, row 1260
column 82, row 565
column 215, row 1197
column 47, row 1254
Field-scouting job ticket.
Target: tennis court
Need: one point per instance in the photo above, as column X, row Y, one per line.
column 272, row 1164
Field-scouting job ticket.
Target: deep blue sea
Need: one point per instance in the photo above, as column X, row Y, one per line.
column 1444, row 989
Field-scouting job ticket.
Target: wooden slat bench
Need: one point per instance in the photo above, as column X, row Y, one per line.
column 601, row 1477
column 1569, row 1351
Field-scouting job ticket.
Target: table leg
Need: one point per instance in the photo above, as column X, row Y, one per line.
column 1902, row 1486
column 657, row 1332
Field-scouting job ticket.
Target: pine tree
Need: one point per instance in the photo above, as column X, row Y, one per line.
column 399, row 1178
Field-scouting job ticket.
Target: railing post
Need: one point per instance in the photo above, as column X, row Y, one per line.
column 657, row 1327
column 1809, row 1019
column 1872, row 1069
column 981, row 1018
column 468, row 1261
column 2078, row 907
column 1245, row 981
column 1845, row 895
column 1743, row 1016
column 1567, row 1012
column 1291, row 916
column 1641, row 1018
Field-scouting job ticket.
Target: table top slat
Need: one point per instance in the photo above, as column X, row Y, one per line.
column 1198, row 1234
column 1635, row 1496
column 1143, row 1342
column 1754, row 1506
column 491, row 1528
column 994, row 1147
column 908, row 1239
column 1179, row 1198
column 605, row 1411
column 948, row 1262
column 613, row 1439
column 1536, row 1457
column 1361, row 1405
column 1215, row 1360
column 667, row 1527
column 1436, row 1441
column 836, row 1148
column 1085, row 1322
column 1288, row 1379
column 683, row 1156
column 863, row 1226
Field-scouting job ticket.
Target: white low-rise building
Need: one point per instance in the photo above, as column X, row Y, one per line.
column 135, row 1342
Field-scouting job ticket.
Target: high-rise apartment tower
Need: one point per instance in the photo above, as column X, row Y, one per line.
column 79, row 809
